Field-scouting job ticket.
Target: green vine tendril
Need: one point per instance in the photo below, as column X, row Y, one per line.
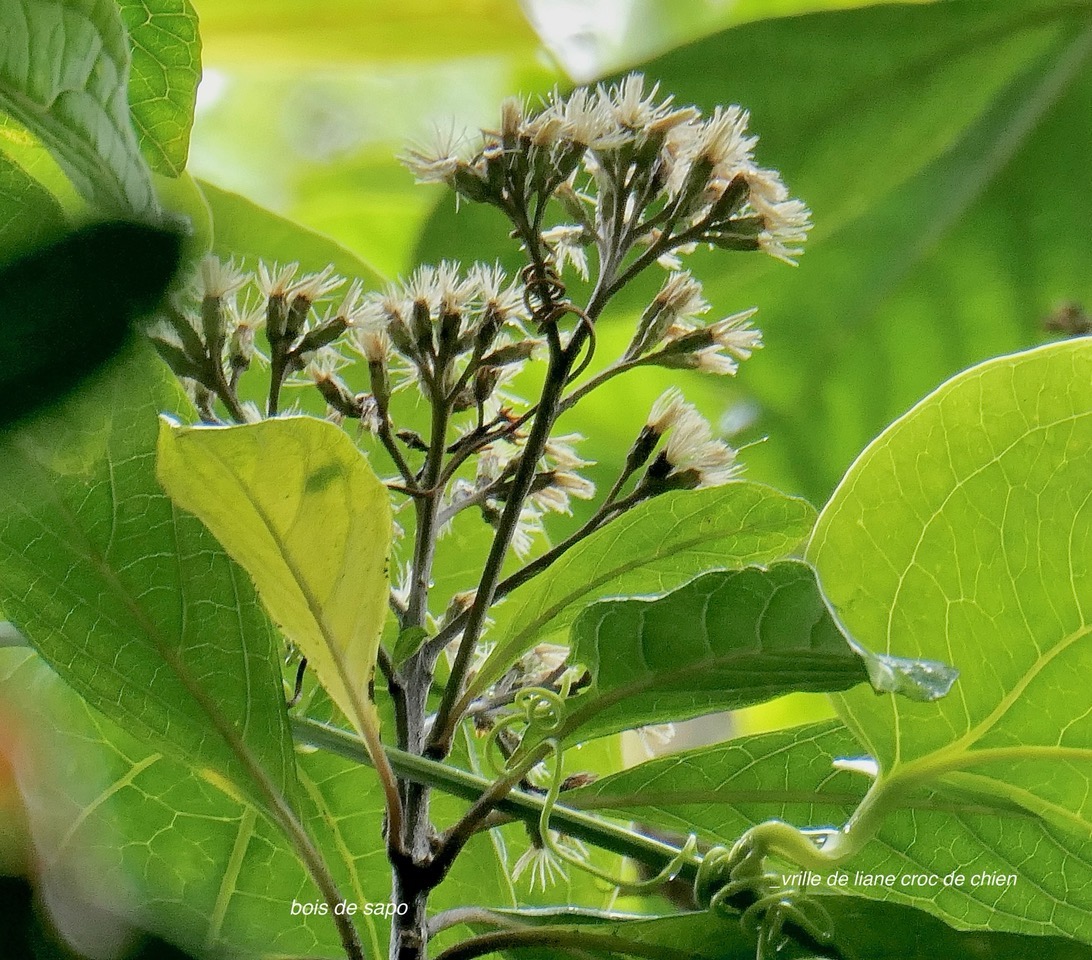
column 730, row 882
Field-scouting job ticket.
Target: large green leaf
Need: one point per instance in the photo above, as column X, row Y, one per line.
column 28, row 213
column 295, row 502
column 149, row 840
column 166, row 69
column 862, row 930
column 965, row 532
column 64, row 68
column 132, row 603
column 721, row 791
column 650, row 550
column 724, row 641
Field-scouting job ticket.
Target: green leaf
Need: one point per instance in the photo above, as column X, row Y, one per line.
column 25, row 150
column 863, row 930
column 721, row 791
column 188, row 861
column 243, row 229
column 29, row 215
column 67, row 308
column 165, row 848
column 724, row 641
column 939, row 110
column 653, row 26
column 408, row 642
column 652, row 549
column 296, row 504
column 64, row 70
column 133, row 604
column 965, row 532
column 183, row 198
column 165, row 71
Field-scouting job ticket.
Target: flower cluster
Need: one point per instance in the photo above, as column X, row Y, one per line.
column 208, row 334
column 691, row 457
column 634, row 171
column 603, row 183
column 669, row 333
column 542, row 865
column 440, row 315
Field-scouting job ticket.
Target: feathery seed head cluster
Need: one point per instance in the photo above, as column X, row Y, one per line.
column 683, row 179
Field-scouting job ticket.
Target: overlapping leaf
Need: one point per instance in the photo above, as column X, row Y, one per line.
column 188, row 861
column 243, row 229
column 720, row 791
column 723, row 641
column 964, row 532
column 64, row 69
column 649, row 551
column 68, row 307
column 295, row 502
column 28, row 213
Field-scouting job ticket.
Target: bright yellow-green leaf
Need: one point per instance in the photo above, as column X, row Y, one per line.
column 296, row 504
column 964, row 531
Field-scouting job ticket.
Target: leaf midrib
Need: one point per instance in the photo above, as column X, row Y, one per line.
column 957, row 755
column 260, row 779
column 666, row 799
column 313, row 605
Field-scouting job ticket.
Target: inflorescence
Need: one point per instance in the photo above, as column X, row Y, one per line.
column 597, row 185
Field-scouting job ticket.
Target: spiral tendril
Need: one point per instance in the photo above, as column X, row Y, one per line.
column 731, row 882
column 545, row 298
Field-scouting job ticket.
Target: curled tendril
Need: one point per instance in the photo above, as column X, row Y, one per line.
column 538, row 710
column 730, row 882
column 727, row 877
column 543, row 290
column 545, row 298
column 587, row 323
column 669, row 872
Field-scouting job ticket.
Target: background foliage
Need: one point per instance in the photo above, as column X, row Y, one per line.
column 943, row 148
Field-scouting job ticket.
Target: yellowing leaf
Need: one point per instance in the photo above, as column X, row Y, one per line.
column 295, row 503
